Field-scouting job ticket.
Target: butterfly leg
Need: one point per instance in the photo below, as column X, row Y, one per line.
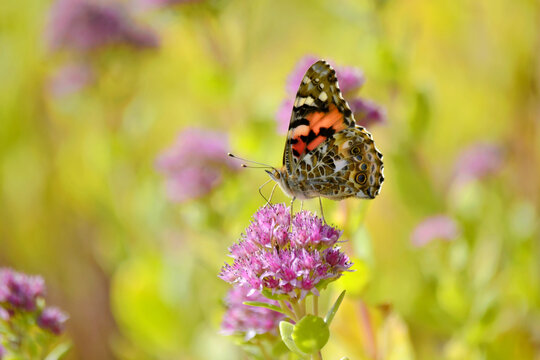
column 322, row 212
column 271, row 194
column 292, row 212
column 260, row 192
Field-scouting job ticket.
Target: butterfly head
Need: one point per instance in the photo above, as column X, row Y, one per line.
column 275, row 175
column 281, row 177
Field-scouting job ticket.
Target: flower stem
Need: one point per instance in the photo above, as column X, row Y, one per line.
column 317, row 356
column 303, row 306
column 315, row 305
column 371, row 348
column 287, row 311
column 297, row 310
column 263, row 350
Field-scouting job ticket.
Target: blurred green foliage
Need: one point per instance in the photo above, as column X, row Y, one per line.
column 82, row 204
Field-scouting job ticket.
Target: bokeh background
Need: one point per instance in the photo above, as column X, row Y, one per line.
column 93, row 95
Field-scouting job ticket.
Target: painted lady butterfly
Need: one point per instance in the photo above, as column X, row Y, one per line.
column 327, row 154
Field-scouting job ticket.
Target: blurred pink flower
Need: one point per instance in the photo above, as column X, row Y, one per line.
column 52, row 319
column 195, row 163
column 249, row 320
column 70, row 78
column 2, row 351
column 478, row 161
column 366, row 112
column 434, row 227
column 162, row 3
column 4, row 314
column 85, row 25
column 22, row 313
column 350, row 80
column 19, row 291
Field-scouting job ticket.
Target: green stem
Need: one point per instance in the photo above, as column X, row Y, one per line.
column 315, row 305
column 286, row 310
column 297, row 310
column 303, row 307
column 263, row 350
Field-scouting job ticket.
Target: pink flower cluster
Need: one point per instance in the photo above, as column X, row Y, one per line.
column 163, row 3
column 350, row 80
column 194, row 164
column 434, row 227
column 19, row 293
column 290, row 258
column 478, row 161
column 85, row 25
column 249, row 320
column 52, row 319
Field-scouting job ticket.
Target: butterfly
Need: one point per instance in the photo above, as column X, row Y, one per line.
column 326, row 153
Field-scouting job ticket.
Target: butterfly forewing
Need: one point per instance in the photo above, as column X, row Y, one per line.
column 319, row 111
column 326, row 153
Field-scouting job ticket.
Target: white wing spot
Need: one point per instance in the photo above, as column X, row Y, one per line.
column 340, row 164
column 322, row 86
column 309, row 100
column 323, row 96
column 306, row 80
column 307, row 160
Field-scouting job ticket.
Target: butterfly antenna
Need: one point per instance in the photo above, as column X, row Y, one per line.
column 263, row 166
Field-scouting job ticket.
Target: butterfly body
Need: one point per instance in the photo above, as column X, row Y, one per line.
column 327, row 154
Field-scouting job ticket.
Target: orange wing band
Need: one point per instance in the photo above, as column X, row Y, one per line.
column 310, row 136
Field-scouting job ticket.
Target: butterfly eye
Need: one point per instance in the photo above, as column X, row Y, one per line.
column 355, row 150
column 360, row 178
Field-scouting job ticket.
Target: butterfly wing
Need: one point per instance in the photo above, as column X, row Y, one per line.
column 326, row 153
column 346, row 164
column 319, row 112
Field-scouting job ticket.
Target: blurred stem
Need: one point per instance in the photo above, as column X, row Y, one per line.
column 287, row 311
column 212, row 34
column 263, row 350
column 303, row 306
column 369, row 334
column 317, row 356
column 315, row 305
column 297, row 310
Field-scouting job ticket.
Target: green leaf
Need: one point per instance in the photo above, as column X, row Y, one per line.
column 310, row 334
column 333, row 310
column 286, row 330
column 59, row 351
column 264, row 305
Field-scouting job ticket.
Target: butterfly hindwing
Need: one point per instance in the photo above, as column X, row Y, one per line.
column 347, row 164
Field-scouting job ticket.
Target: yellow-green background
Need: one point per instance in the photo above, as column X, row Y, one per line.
column 82, row 204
